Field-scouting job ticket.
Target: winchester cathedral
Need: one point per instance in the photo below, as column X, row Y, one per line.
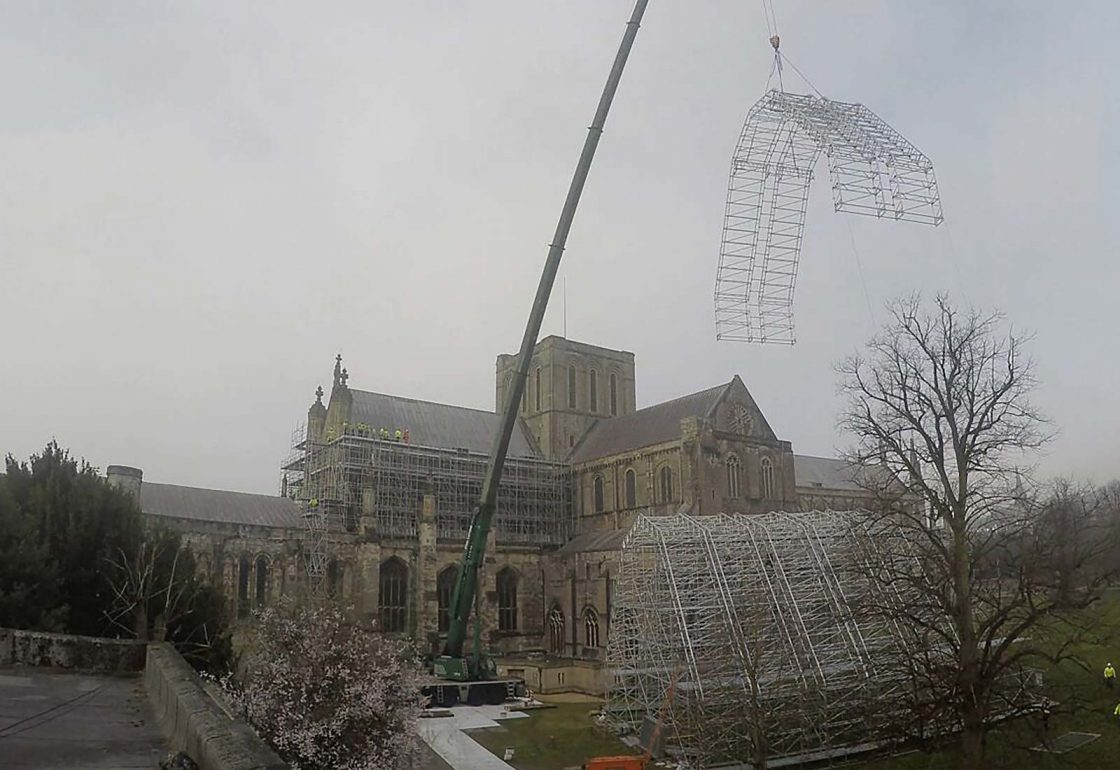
column 378, row 490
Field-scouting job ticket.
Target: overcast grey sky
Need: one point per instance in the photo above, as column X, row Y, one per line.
column 201, row 203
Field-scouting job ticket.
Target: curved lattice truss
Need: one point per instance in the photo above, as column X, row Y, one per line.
column 738, row 631
column 874, row 170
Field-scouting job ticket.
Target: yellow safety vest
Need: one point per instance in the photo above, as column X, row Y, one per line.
column 1116, row 710
column 1109, row 672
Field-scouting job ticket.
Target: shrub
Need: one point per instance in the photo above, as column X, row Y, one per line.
column 327, row 691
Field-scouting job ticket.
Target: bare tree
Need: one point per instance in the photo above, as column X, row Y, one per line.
column 158, row 593
column 146, row 581
column 1108, row 498
column 1075, row 526
column 940, row 401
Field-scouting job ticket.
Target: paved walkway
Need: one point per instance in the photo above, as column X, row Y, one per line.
column 446, row 737
column 54, row 719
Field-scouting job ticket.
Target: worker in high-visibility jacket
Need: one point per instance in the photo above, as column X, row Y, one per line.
column 1109, row 675
column 1116, row 711
column 397, row 435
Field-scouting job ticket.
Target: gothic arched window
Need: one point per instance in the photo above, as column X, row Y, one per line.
column 392, row 595
column 734, row 476
column 571, row 387
column 597, row 494
column 507, row 600
column 614, row 394
column 262, row 580
column 767, row 481
column 445, row 586
column 665, row 479
column 244, row 569
column 538, row 388
column 556, row 630
column 594, row 391
column 590, row 628
column 631, row 488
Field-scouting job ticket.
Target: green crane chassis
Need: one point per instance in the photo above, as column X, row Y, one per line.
column 446, row 693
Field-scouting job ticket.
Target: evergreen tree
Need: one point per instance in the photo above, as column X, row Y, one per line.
column 80, row 521
column 29, row 585
column 76, row 557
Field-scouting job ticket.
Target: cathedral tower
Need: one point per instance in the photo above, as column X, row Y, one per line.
column 571, row 386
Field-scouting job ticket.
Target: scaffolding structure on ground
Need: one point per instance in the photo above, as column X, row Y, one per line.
column 360, row 480
column 874, row 170
column 744, row 625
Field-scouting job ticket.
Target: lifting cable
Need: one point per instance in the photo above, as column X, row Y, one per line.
column 775, row 41
column 780, row 59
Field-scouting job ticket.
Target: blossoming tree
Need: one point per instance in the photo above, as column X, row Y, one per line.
column 327, row 691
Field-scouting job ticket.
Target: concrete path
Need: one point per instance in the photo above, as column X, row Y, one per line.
column 54, row 719
column 446, row 737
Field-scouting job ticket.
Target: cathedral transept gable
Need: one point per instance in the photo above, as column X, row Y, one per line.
column 737, row 413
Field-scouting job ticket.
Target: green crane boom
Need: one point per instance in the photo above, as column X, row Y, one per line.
column 451, row 664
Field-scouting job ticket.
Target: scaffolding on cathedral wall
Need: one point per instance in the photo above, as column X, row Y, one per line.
column 322, row 519
column 361, row 479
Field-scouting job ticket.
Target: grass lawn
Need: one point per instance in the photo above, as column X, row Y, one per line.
column 1092, row 706
column 562, row 737
column 551, row 739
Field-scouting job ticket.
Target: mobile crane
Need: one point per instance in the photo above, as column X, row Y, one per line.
column 477, row 673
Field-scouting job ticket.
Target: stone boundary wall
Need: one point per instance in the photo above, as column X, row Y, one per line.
column 193, row 722
column 83, row 653
column 548, row 677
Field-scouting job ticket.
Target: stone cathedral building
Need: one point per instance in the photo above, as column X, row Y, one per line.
column 378, row 490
